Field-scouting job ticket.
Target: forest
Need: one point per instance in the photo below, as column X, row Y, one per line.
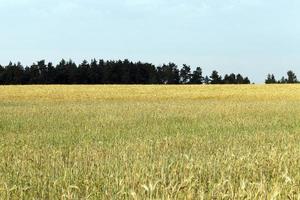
column 111, row 72
column 120, row 72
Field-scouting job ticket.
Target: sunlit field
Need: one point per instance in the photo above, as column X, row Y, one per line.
column 150, row 142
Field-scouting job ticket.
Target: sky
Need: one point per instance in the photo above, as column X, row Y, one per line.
column 251, row 37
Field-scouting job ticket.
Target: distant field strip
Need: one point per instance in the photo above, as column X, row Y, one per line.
column 150, row 142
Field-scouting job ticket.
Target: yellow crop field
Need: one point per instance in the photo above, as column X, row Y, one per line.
column 150, row 142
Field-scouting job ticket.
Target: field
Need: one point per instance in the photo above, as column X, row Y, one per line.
column 150, row 142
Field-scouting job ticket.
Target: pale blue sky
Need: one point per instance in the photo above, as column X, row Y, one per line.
column 252, row 37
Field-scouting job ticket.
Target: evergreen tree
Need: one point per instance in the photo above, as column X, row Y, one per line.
column 239, row 79
column 283, row 80
column 83, row 73
column 197, row 77
column 34, row 74
column 270, row 79
column 51, row 73
column 26, row 75
column 185, row 74
column 169, row 74
column 13, row 73
column 246, row 80
column 230, row 79
column 215, row 78
column 61, row 73
column 292, row 78
column 43, row 72
column 71, row 71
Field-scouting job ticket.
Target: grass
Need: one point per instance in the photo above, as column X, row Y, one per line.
column 150, row 142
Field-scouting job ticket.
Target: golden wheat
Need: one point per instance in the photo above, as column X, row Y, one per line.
column 150, row 142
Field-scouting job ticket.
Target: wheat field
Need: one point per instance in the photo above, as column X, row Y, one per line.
column 150, row 142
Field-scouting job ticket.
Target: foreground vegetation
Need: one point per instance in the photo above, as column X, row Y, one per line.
column 150, row 142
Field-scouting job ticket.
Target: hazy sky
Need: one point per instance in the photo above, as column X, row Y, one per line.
column 252, row 37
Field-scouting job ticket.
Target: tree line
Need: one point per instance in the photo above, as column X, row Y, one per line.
column 110, row 72
column 291, row 78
